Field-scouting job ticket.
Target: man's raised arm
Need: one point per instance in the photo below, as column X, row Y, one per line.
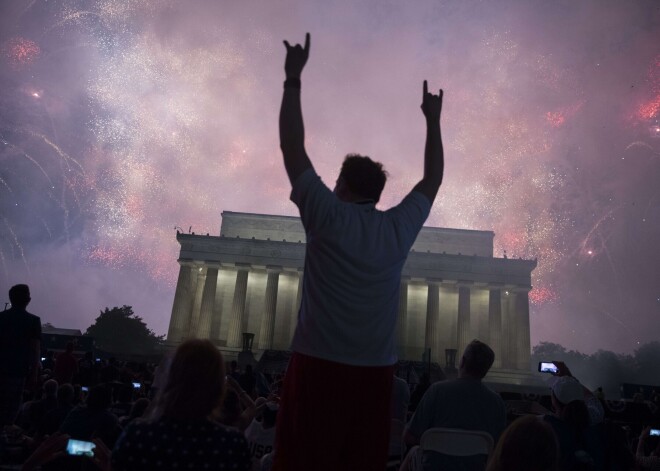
column 292, row 130
column 434, row 161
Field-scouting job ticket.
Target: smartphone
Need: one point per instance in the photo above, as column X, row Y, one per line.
column 84, row 389
column 80, row 448
column 655, row 432
column 137, row 385
column 547, row 367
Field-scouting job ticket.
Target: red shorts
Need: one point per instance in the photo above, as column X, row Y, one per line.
column 333, row 416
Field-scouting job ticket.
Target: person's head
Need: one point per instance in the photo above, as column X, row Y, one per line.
column 567, row 398
column 50, row 388
column 234, row 366
column 19, row 296
column 476, row 360
column 65, row 394
column 528, row 444
column 360, row 178
column 195, row 382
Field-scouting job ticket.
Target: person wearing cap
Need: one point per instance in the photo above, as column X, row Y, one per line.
column 576, row 419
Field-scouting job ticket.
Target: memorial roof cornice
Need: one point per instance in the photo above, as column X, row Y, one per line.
column 443, row 266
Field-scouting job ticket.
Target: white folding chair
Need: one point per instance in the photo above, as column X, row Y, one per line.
column 457, row 442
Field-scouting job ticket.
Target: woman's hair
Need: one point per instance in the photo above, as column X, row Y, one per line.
column 195, row 382
column 528, row 444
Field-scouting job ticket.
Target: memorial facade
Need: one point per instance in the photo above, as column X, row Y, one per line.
column 249, row 279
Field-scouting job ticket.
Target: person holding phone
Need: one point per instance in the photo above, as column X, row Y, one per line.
column 652, row 461
column 576, row 421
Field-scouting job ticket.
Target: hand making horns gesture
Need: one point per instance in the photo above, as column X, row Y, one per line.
column 296, row 58
column 431, row 104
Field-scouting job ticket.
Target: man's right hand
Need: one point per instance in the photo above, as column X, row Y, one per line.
column 296, row 58
column 431, row 104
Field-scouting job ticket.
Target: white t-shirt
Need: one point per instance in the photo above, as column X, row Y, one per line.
column 353, row 262
column 260, row 440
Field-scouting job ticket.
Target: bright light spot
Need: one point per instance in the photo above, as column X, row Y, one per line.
column 590, row 252
column 35, row 94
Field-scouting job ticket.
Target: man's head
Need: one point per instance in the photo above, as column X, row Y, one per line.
column 19, row 296
column 360, row 178
column 476, row 361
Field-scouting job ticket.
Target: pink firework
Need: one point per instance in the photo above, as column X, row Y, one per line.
column 21, row 52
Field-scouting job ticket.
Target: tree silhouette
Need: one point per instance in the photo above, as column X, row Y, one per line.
column 120, row 330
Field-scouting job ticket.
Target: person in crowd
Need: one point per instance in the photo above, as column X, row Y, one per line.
column 463, row 403
column 66, row 365
column 20, row 337
column 122, row 406
column 420, row 389
column 260, row 434
column 652, row 460
column 41, row 407
column 576, row 419
column 180, row 432
column 53, row 419
column 93, row 419
column 528, row 444
column 233, row 370
column 138, row 409
column 343, row 347
column 48, row 364
column 109, row 372
column 87, row 370
column 248, row 381
column 238, row 408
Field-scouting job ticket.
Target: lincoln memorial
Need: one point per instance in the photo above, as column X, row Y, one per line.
column 249, row 279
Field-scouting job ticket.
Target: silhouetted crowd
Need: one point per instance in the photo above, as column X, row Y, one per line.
column 194, row 412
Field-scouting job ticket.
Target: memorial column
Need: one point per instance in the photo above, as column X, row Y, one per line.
column 208, row 303
column 509, row 332
column 432, row 319
column 182, row 307
column 294, row 319
column 463, row 321
column 270, row 306
column 522, row 323
column 234, row 337
column 495, row 325
column 197, row 303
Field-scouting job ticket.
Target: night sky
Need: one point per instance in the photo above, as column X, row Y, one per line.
column 123, row 119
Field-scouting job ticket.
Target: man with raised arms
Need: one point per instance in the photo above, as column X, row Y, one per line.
column 335, row 403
